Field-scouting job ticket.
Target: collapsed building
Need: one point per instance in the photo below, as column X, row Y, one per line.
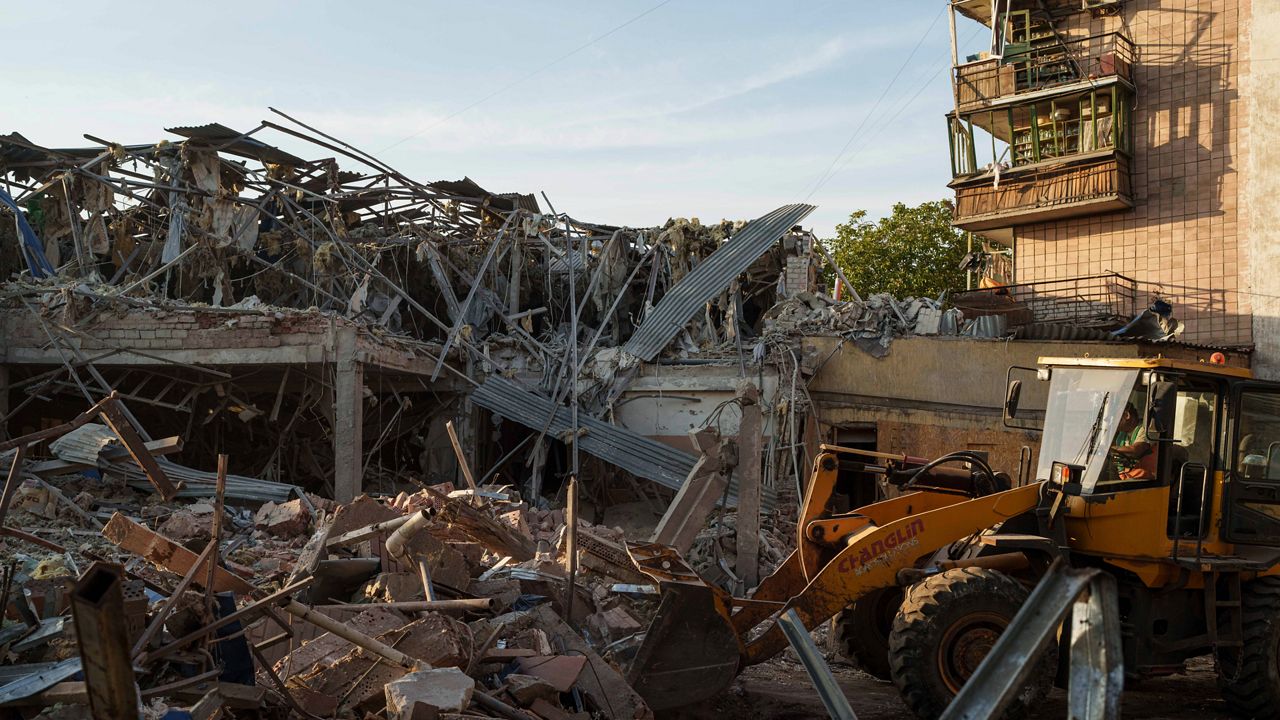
column 339, row 329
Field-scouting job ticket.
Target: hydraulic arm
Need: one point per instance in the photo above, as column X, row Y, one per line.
column 698, row 641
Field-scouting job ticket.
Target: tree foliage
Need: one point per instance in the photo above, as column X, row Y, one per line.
column 912, row 252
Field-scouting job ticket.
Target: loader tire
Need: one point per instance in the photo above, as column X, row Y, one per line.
column 1250, row 683
column 862, row 631
column 947, row 624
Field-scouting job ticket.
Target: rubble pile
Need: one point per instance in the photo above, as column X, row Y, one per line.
column 714, row 553
column 872, row 324
column 206, row 270
column 478, row 378
column 433, row 603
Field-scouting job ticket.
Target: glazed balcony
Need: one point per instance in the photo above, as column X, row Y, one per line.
column 1042, row 66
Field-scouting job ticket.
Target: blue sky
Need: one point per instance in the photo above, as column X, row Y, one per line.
column 697, row 109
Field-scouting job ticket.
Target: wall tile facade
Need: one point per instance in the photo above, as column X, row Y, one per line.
column 1181, row 240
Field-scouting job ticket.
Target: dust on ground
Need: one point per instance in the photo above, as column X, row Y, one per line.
column 780, row 690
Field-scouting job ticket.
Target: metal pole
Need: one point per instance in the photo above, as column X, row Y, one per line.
column 219, row 503
column 571, row 514
column 968, row 273
column 819, row 672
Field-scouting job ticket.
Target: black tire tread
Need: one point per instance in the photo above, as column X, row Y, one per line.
column 916, row 622
column 1251, row 684
column 856, row 644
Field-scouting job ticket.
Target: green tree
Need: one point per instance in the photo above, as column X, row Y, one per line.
column 912, row 252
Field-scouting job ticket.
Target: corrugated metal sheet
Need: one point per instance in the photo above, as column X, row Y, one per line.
column 710, row 278
column 470, row 189
column 83, row 444
column 218, row 135
column 630, row 451
column 201, row 483
column 618, row 446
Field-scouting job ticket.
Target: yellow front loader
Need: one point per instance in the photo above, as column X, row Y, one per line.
column 1186, row 518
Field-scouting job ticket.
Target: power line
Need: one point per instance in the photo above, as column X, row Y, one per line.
column 525, row 78
column 887, row 123
column 825, row 173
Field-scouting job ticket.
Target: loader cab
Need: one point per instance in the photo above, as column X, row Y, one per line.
column 1158, row 457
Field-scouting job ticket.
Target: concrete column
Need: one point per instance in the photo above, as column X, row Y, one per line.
column 1259, row 183
column 749, row 447
column 348, row 425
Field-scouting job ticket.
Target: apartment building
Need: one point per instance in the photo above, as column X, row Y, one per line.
column 1122, row 151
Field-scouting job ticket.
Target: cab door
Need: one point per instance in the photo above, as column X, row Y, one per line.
column 1253, row 461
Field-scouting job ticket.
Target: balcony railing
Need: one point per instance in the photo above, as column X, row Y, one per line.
column 978, row 84
column 1104, row 302
column 1048, row 191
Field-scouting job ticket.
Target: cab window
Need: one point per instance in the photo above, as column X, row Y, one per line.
column 1253, row 510
column 1258, row 445
column 1194, row 426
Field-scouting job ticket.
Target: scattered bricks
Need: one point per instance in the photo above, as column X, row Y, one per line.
column 614, row 624
column 425, row 694
column 328, row 648
column 446, row 565
column 503, row 591
column 602, row 681
column 516, row 521
column 359, row 513
column 525, row 689
column 359, row 677
column 558, row 671
column 288, row 519
column 473, row 553
column 184, row 526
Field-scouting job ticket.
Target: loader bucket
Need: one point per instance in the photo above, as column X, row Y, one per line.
column 690, row 652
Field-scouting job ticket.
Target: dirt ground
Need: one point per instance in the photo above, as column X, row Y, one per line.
column 780, row 690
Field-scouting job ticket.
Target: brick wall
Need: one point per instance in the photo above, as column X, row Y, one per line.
column 178, row 330
column 1182, row 238
column 799, row 275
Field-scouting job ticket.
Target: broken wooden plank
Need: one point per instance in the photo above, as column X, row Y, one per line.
column 477, row 526
column 165, row 553
column 209, row 707
column 33, row 539
column 162, row 614
column 70, row 692
column 113, row 413
column 462, row 457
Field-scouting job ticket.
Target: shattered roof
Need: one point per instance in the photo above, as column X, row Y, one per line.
column 468, row 188
column 231, row 141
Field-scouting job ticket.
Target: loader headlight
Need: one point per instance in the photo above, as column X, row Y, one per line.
column 1066, row 476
